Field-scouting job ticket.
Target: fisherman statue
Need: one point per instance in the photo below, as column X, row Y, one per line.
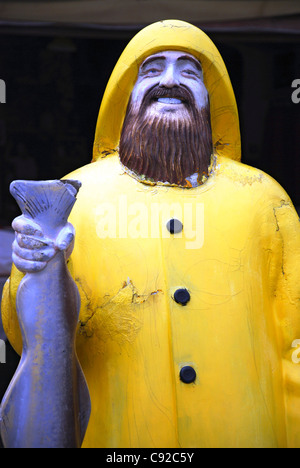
column 187, row 265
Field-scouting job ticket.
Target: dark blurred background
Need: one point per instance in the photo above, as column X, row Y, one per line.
column 56, row 72
column 56, row 58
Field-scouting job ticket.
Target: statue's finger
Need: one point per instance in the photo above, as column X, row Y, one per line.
column 27, row 266
column 27, row 226
column 38, row 255
column 66, row 237
column 33, row 243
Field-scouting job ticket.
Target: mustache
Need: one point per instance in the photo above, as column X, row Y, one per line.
column 179, row 92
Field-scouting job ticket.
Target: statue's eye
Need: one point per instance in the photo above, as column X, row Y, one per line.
column 152, row 71
column 189, row 71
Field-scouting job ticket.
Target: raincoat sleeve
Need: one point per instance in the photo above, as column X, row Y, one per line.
column 9, row 312
column 285, row 274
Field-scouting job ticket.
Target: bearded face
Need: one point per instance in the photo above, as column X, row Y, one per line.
column 166, row 135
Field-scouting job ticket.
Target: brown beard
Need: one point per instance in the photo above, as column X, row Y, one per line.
column 167, row 148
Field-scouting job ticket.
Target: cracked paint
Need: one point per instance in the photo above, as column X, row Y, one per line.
column 119, row 317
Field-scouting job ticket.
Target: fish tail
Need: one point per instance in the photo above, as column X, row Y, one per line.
column 52, row 198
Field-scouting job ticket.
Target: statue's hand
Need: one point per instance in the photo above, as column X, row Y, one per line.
column 32, row 250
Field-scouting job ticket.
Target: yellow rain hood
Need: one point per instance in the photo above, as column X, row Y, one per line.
column 170, row 35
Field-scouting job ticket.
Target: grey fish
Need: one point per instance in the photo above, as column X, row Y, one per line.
column 47, row 404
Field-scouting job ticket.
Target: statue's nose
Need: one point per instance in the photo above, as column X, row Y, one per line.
column 170, row 77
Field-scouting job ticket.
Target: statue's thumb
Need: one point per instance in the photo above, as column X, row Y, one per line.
column 65, row 237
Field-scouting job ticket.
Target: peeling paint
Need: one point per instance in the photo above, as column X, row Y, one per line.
column 119, row 317
column 283, row 204
column 243, row 175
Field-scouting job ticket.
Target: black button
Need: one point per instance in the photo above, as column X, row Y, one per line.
column 188, row 374
column 174, row 226
column 182, row 296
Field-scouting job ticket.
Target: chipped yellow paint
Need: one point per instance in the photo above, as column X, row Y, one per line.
column 118, row 319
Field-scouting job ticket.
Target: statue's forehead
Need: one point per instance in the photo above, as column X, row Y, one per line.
column 174, row 54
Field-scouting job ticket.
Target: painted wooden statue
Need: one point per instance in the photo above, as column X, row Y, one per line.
column 186, row 260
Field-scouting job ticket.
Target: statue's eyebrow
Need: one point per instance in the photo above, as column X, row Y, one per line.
column 155, row 58
column 191, row 59
column 152, row 59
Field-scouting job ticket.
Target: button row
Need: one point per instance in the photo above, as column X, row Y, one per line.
column 182, row 296
column 187, row 373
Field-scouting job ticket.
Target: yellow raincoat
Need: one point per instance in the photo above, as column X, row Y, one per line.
column 238, row 256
